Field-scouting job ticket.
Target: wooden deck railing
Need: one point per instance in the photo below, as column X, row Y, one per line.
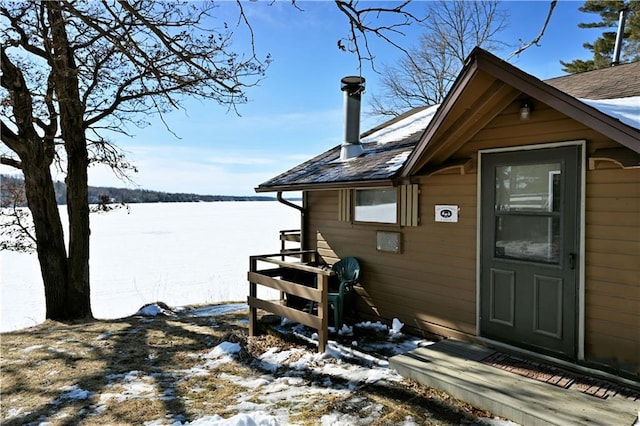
column 314, row 290
column 289, row 235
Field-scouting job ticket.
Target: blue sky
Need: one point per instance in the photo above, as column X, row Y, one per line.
column 296, row 111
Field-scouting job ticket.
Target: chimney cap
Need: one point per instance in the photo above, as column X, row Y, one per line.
column 352, row 81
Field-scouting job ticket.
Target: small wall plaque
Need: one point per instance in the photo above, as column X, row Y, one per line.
column 447, row 213
column 388, row 241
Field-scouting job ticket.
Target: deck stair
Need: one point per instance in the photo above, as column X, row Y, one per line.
column 456, row 368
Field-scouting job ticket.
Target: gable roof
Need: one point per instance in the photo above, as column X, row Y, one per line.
column 485, row 82
column 403, row 146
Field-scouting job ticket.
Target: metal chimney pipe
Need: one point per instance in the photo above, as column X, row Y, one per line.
column 619, row 38
column 352, row 86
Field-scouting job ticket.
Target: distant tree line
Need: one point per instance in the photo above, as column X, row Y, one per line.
column 100, row 195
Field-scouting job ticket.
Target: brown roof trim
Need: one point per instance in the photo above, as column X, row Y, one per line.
column 327, row 186
column 480, row 59
column 561, row 101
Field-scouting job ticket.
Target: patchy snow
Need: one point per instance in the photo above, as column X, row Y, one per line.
column 213, row 310
column 152, row 310
column 32, row 348
column 396, row 326
column 282, row 377
column 254, row 419
column 72, row 393
column 406, row 127
column 627, row 110
column 373, row 325
column 396, row 162
column 340, row 371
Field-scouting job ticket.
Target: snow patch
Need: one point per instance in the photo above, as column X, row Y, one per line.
column 154, row 309
column 32, row 348
column 396, row 326
column 73, row 393
column 377, row 326
column 396, row 162
column 242, row 419
column 627, row 110
column 404, row 128
column 221, row 354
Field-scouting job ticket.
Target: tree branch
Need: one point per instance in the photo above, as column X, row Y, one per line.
column 359, row 28
column 6, row 161
column 535, row 41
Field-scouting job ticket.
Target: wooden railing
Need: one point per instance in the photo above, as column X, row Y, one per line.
column 289, row 235
column 313, row 291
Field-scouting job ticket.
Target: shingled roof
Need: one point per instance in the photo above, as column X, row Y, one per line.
column 388, row 146
column 620, row 81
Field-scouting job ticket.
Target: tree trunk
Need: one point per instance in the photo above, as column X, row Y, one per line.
column 36, row 155
column 65, row 74
column 78, row 293
column 52, row 254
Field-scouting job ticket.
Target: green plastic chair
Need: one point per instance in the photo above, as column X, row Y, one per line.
column 348, row 272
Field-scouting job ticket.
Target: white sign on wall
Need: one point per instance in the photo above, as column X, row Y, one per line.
column 447, row 213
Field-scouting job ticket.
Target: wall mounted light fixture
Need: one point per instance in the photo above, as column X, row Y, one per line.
column 526, row 108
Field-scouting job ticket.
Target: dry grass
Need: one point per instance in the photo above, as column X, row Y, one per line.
column 42, row 366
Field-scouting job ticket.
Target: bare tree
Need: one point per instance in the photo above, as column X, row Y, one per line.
column 73, row 71
column 424, row 76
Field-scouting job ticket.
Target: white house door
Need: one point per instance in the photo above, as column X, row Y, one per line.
column 529, row 248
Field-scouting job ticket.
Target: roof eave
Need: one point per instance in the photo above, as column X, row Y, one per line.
column 323, row 186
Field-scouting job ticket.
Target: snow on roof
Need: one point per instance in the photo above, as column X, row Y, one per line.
column 627, row 110
column 404, row 128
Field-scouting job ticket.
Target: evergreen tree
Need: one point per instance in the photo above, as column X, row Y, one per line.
column 603, row 47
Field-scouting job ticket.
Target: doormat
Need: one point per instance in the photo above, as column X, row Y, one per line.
column 559, row 377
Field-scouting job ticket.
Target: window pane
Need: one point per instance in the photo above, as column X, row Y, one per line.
column 533, row 187
column 376, row 205
column 534, row 238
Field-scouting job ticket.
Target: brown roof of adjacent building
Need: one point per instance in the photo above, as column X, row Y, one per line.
column 620, row 81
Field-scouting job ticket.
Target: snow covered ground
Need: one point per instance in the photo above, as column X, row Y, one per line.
column 180, row 254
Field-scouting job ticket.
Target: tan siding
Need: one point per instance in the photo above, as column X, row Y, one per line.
column 432, row 284
column 606, row 348
column 545, row 126
column 605, row 288
column 612, row 281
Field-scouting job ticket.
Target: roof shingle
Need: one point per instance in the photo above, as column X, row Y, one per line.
column 620, row 81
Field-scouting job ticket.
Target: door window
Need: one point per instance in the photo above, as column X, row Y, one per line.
column 527, row 212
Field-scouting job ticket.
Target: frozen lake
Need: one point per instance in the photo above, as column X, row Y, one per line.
column 177, row 253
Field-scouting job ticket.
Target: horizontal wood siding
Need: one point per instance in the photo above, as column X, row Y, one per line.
column 545, row 126
column 612, row 231
column 431, row 285
column 612, row 284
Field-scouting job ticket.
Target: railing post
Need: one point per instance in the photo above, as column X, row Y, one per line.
column 323, row 312
column 253, row 292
